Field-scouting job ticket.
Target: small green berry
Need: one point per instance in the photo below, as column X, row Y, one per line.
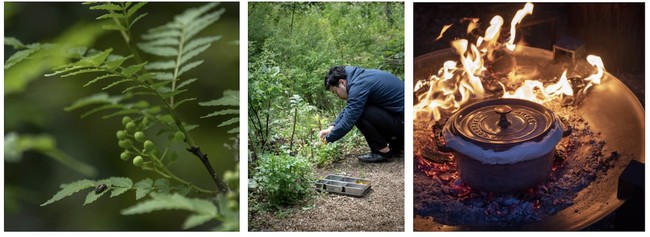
column 149, row 146
column 138, row 161
column 121, row 134
column 179, row 136
column 125, row 155
column 139, row 136
column 131, row 126
column 126, row 143
column 126, row 120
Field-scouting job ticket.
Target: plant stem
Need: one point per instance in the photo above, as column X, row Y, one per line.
column 193, row 148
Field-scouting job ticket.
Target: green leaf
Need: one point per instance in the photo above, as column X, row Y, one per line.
column 123, row 182
column 62, row 49
column 161, row 65
column 116, row 83
column 158, row 50
column 179, row 103
column 203, row 41
column 114, row 62
column 99, row 78
column 163, row 34
column 94, row 60
column 11, row 41
column 132, row 10
column 109, row 16
column 20, row 56
column 142, row 188
column 137, row 19
column 185, row 83
column 117, row 191
column 107, row 7
column 162, row 185
column 82, row 71
column 92, row 197
column 193, row 53
column 69, row 189
column 120, row 185
column 188, row 67
column 172, row 202
column 167, row 41
column 229, row 122
column 164, row 76
column 196, row 220
column 160, row 202
column 233, row 131
column 222, row 112
column 101, row 108
column 99, row 98
column 133, row 69
column 199, row 24
column 230, row 98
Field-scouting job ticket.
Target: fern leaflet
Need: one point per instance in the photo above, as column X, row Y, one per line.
column 175, row 43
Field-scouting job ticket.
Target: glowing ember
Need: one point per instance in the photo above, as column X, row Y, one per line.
column 457, row 82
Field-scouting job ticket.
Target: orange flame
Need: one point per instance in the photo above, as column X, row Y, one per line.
column 442, row 32
column 521, row 13
column 600, row 70
column 454, row 84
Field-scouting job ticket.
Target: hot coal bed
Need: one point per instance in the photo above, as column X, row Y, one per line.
column 580, row 158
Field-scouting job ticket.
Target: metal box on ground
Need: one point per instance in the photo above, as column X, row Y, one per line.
column 344, row 185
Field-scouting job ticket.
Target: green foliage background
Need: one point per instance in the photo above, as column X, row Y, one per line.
column 291, row 46
column 34, row 105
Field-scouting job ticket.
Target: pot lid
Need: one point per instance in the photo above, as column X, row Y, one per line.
column 503, row 121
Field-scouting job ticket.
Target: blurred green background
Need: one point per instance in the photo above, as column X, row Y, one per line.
column 34, row 105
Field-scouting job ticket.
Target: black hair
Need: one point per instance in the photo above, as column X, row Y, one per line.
column 333, row 75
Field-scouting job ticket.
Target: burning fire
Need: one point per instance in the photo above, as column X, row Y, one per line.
column 459, row 81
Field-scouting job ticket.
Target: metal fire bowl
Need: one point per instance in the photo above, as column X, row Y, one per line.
column 610, row 108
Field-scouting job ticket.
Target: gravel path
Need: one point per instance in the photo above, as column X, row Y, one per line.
column 382, row 209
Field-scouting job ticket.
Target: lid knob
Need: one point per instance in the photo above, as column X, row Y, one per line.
column 503, row 110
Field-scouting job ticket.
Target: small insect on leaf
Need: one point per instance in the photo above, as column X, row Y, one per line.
column 100, row 188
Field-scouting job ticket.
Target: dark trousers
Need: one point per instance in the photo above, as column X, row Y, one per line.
column 381, row 128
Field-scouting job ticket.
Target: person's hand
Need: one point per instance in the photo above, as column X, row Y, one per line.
column 324, row 133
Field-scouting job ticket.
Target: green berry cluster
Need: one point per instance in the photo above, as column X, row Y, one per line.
column 134, row 141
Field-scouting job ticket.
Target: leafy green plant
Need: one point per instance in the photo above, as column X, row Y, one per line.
column 147, row 96
column 284, row 179
column 291, row 45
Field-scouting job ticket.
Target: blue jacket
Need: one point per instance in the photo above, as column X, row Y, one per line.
column 367, row 87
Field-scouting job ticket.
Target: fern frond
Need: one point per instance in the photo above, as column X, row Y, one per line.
column 24, row 51
column 229, row 100
column 99, row 98
column 120, row 16
column 174, row 42
column 11, row 41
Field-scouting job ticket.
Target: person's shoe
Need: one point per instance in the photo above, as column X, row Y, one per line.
column 375, row 157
